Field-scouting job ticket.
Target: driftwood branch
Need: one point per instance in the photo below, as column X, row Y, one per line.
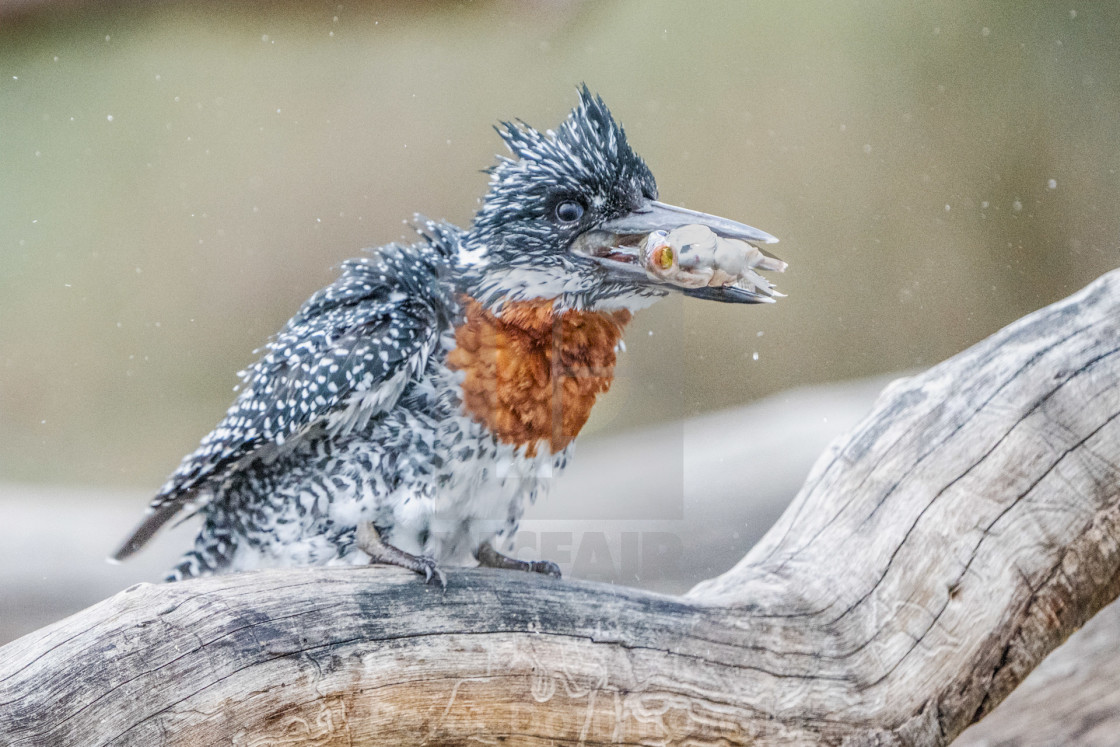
column 1073, row 698
column 934, row 557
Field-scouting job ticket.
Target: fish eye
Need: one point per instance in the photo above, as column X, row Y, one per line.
column 569, row 211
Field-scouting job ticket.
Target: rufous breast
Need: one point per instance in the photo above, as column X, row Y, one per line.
column 532, row 373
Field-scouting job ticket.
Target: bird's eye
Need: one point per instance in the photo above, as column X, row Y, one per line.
column 569, row 211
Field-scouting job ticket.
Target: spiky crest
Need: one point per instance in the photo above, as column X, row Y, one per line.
column 587, row 159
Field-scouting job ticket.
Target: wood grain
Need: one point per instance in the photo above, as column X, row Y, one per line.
column 1072, row 698
column 935, row 555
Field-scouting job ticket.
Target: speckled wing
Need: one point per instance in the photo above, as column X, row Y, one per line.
column 343, row 359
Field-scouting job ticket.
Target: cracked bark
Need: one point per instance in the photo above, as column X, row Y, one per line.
column 934, row 556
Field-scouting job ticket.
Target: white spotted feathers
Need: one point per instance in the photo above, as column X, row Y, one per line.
column 352, row 413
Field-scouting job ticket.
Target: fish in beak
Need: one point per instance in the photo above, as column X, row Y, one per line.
column 703, row 256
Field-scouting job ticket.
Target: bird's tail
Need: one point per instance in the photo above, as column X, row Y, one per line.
column 144, row 531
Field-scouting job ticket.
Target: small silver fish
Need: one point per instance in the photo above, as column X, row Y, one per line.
column 693, row 256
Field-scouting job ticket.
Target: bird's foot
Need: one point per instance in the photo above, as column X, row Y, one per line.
column 431, row 571
column 369, row 541
column 488, row 557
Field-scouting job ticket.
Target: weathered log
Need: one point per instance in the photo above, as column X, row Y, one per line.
column 1072, row 698
column 933, row 558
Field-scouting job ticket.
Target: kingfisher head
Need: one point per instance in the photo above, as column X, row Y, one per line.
column 566, row 213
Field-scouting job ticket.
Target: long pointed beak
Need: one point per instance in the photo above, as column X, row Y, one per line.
column 657, row 216
column 724, row 270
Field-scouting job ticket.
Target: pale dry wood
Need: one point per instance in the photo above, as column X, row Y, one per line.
column 934, row 557
column 1073, row 698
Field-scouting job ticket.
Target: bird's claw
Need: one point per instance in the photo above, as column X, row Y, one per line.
column 431, row 571
column 545, row 567
column 368, row 539
column 488, row 557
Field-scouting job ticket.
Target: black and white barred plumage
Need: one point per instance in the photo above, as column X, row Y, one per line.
column 340, row 363
column 353, row 414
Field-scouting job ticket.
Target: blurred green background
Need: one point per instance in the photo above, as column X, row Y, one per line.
column 178, row 177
